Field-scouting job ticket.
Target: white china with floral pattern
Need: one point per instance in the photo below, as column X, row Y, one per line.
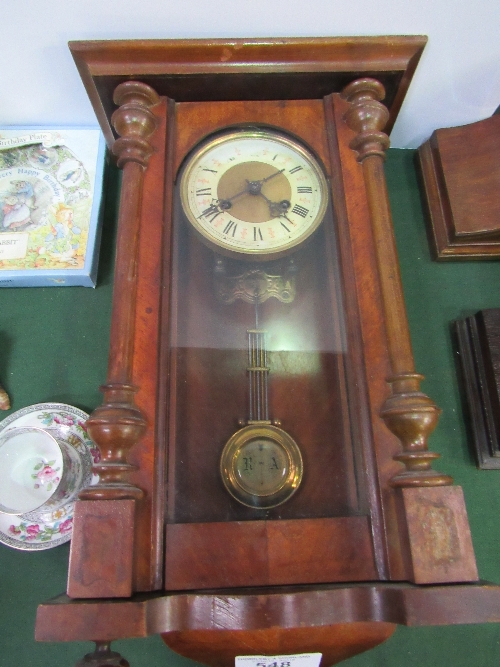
column 36, row 531
column 39, row 473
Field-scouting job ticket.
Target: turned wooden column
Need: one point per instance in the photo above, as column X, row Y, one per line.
column 118, row 424
column 101, row 554
column 433, row 519
column 408, row 413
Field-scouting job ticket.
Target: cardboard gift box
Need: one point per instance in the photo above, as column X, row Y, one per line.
column 50, row 199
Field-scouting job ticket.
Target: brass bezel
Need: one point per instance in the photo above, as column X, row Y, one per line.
column 261, row 253
column 230, row 454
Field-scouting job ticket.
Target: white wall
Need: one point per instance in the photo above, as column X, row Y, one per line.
column 457, row 81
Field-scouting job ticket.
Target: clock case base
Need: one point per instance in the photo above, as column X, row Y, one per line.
column 394, row 418
column 214, row 627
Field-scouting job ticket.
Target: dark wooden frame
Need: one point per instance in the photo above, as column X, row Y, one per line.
column 129, row 426
column 478, row 338
column 460, row 168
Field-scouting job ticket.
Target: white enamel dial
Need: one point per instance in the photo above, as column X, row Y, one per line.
column 253, row 193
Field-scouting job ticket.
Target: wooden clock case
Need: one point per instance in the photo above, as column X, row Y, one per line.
column 338, row 577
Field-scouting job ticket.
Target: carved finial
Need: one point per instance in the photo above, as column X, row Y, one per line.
column 412, row 417
column 367, row 117
column 134, row 121
column 117, row 425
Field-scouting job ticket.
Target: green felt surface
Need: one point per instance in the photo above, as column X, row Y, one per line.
column 53, row 347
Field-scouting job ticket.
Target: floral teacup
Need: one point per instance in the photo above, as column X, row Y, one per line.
column 39, row 473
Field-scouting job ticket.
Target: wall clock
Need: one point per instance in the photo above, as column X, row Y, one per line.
column 265, row 467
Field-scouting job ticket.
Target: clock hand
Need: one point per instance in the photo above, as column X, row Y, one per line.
column 225, row 204
column 219, row 205
column 277, row 209
column 213, row 209
column 290, row 221
column 268, row 178
column 255, row 187
column 252, row 187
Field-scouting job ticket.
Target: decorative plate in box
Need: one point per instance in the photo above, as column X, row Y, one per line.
column 50, row 195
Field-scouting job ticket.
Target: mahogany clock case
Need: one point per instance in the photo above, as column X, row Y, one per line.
column 356, row 525
column 345, row 507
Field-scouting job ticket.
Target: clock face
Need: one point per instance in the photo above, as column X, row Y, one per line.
column 253, row 193
column 261, row 466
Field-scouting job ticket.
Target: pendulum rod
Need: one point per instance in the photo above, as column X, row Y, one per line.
column 258, row 372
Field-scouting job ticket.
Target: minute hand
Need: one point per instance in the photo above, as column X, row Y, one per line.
column 264, row 180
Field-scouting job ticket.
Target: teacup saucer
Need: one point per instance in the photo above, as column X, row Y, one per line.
column 54, row 528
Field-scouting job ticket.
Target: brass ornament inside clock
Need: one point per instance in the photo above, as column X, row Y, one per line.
column 261, row 464
column 253, row 193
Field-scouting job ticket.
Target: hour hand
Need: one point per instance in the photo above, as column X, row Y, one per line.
column 277, row 209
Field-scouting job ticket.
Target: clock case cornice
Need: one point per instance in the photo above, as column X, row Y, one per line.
column 197, row 70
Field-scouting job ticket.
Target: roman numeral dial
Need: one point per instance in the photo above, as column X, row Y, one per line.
column 253, row 193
